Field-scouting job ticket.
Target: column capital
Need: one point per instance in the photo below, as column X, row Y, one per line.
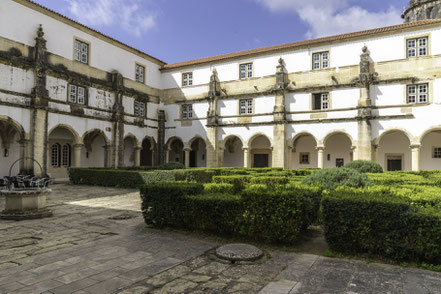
column 187, row 149
column 320, row 148
column 415, row 146
column 78, row 145
column 245, row 149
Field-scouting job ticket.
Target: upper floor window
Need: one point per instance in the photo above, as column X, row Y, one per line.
column 417, row 93
column 187, row 111
column 140, row 73
column 77, row 94
column 246, row 70
column 320, row 60
column 320, row 101
column 417, row 47
column 81, row 51
column 187, row 79
column 139, row 108
column 246, row 106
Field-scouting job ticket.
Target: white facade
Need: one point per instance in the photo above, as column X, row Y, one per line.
column 287, row 128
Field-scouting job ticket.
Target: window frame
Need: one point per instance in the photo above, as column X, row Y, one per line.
column 321, row 60
column 435, row 152
column 77, row 94
column 247, row 70
column 189, row 81
column 249, row 105
column 66, row 155
column 83, row 42
column 187, row 109
column 417, row 45
column 139, row 65
column 55, row 155
column 301, row 154
column 144, row 108
column 323, row 102
column 418, row 94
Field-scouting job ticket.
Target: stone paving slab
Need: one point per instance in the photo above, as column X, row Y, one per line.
column 97, row 242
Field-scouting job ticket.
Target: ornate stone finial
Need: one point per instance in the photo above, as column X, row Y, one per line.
column 40, row 32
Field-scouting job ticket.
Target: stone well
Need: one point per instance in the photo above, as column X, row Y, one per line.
column 25, row 204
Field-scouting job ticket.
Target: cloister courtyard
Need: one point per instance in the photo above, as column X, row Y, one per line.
column 97, row 242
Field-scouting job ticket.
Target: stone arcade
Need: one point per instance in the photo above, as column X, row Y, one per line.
column 71, row 96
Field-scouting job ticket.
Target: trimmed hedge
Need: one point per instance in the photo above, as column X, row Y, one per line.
column 238, row 181
column 331, row 178
column 117, row 178
column 270, row 181
column 213, row 188
column 365, row 166
column 399, row 178
column 377, row 221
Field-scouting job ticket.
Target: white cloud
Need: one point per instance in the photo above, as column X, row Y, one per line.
column 331, row 17
column 128, row 14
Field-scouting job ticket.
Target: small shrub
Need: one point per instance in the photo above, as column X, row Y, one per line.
column 365, row 166
column 195, row 175
column 331, row 178
column 213, row 188
column 172, row 165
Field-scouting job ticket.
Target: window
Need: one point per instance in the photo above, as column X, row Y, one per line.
column 140, row 73
column 139, row 108
column 66, row 155
column 320, row 101
column 187, row 111
column 81, row 52
column 417, row 93
column 77, row 94
column 304, row 158
column 246, row 106
column 187, row 79
column 246, row 70
column 55, row 156
column 436, row 152
column 320, row 60
column 417, row 47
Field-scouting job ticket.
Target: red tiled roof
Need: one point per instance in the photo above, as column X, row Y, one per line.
column 98, row 32
column 302, row 43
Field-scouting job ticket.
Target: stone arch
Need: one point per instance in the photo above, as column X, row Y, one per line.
column 303, row 151
column 196, row 137
column 133, row 138
column 377, row 140
column 171, row 139
column 429, row 144
column 95, row 149
column 96, row 132
column 260, row 149
column 338, row 149
column 148, row 147
column 77, row 138
column 12, row 137
column 175, row 150
column 393, row 149
column 197, row 152
column 131, row 149
column 233, row 154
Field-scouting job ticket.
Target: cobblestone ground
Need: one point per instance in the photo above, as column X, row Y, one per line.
column 97, row 243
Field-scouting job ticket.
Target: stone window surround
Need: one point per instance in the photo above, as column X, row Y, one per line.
column 246, row 63
column 188, row 110
column 429, row 46
column 388, row 155
column 75, row 39
column 321, row 61
column 59, row 162
column 246, row 106
column 137, row 64
column 138, row 114
column 188, row 77
column 429, row 93
column 311, row 99
column 301, row 161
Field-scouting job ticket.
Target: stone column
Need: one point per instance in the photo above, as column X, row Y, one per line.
column 162, row 156
column 137, row 156
column 246, row 157
column 279, row 143
column 153, row 157
column 415, row 156
column 77, row 155
column 212, row 143
column 289, row 157
column 221, row 154
column 321, row 157
column 375, row 153
column 187, row 157
column 39, row 140
column 167, row 155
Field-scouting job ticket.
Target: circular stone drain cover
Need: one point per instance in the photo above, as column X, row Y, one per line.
column 239, row 252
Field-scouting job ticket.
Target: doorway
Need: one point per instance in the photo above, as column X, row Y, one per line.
column 261, row 160
column 394, row 162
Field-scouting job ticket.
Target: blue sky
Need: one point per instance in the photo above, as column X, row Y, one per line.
column 179, row 30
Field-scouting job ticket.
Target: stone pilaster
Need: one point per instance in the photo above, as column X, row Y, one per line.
column 279, row 154
column 118, row 121
column 213, row 159
column 187, row 156
column 321, row 156
column 137, row 156
column 163, row 154
column 77, row 155
column 212, row 146
column 246, row 157
column 279, row 146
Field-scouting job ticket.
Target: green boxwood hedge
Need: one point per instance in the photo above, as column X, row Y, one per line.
column 239, row 181
column 365, row 166
column 377, row 221
column 331, row 178
column 213, row 188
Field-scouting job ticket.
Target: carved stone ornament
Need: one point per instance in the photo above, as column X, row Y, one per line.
column 214, row 85
column 281, row 75
column 365, row 112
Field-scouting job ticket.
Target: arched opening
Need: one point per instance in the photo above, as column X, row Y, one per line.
column 430, row 153
column 198, row 153
column 94, row 151
column 233, row 153
column 394, row 151
column 304, row 152
column 260, row 151
column 129, row 151
column 147, row 153
column 10, row 137
column 60, row 143
column 338, row 150
column 176, row 151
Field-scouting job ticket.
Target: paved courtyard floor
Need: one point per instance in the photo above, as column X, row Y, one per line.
column 97, row 242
